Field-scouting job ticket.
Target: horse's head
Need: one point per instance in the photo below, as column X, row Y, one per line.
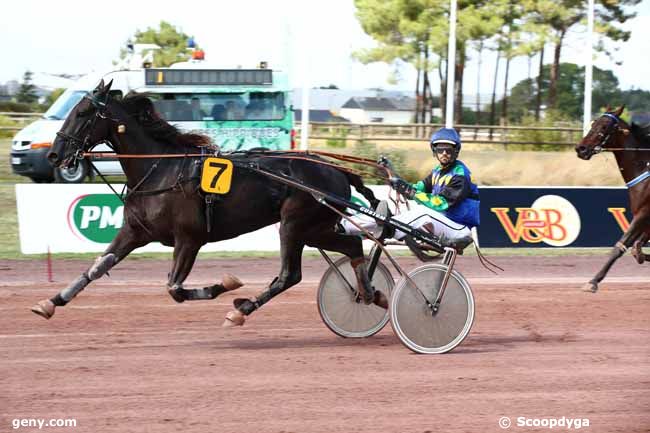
column 605, row 132
column 87, row 124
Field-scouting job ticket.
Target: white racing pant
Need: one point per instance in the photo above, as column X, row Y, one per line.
column 448, row 231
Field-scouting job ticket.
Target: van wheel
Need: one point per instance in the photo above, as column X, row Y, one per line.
column 74, row 174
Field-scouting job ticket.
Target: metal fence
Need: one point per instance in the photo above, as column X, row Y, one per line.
column 560, row 135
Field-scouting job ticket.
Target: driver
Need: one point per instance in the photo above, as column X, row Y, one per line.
column 447, row 201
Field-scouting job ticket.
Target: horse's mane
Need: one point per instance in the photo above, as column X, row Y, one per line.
column 641, row 133
column 141, row 108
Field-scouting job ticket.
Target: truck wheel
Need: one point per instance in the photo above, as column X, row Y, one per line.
column 74, row 174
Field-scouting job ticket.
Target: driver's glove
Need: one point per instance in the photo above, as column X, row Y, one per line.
column 403, row 187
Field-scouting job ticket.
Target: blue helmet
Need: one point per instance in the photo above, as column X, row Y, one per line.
column 446, row 135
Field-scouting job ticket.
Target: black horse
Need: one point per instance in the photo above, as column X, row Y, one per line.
column 164, row 202
column 631, row 147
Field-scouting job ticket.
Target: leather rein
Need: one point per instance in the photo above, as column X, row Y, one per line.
column 280, row 154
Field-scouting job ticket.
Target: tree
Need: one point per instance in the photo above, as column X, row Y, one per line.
column 172, row 43
column 416, row 32
column 636, row 100
column 27, row 91
column 570, row 92
column 561, row 15
column 402, row 30
column 53, row 96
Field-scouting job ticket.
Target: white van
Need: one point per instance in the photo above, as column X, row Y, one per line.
column 238, row 108
column 31, row 145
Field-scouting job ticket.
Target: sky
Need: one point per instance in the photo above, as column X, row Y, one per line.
column 312, row 39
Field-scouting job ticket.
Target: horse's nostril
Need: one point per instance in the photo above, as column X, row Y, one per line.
column 582, row 149
column 52, row 156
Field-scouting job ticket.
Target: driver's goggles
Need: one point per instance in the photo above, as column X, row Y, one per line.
column 448, row 150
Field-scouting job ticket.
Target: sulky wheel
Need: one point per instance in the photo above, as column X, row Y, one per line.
column 339, row 307
column 413, row 320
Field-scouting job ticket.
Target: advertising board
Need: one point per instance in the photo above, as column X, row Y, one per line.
column 86, row 217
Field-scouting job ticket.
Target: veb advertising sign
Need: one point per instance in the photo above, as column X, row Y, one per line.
column 552, row 217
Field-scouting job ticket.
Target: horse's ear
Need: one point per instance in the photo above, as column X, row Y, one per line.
column 608, row 109
column 99, row 87
column 108, row 86
column 618, row 112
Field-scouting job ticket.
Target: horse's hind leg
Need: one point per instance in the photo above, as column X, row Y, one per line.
column 290, row 275
column 637, row 250
column 637, row 226
column 352, row 247
column 184, row 257
column 126, row 241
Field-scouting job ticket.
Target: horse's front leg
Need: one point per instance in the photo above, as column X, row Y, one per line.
column 184, row 256
column 637, row 249
column 127, row 240
column 636, row 229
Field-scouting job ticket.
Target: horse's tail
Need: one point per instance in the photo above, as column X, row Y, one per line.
column 357, row 183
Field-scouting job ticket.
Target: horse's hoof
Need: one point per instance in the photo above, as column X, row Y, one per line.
column 381, row 300
column 44, row 309
column 230, row 282
column 177, row 294
column 234, row 318
column 590, row 287
column 637, row 253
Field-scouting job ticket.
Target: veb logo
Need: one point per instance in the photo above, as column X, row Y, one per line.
column 619, row 216
column 96, row 217
column 550, row 219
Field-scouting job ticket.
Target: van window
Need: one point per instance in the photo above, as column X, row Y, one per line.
column 64, row 104
column 182, row 107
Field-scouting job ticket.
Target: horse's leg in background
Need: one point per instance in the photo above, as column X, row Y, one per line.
column 127, row 240
column 185, row 252
column 636, row 229
column 291, row 247
column 637, row 249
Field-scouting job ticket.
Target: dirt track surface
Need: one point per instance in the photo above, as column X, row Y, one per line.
column 123, row 357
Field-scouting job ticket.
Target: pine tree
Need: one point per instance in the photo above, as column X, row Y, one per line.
column 27, row 91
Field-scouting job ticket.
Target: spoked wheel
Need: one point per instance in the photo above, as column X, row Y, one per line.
column 413, row 320
column 339, row 306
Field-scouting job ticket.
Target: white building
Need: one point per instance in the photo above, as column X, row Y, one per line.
column 379, row 109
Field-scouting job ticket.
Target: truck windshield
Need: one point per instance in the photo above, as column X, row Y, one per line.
column 64, row 104
column 220, row 106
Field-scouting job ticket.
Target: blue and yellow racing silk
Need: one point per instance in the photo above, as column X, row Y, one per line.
column 451, row 192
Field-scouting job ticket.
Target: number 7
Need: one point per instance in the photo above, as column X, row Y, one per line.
column 221, row 168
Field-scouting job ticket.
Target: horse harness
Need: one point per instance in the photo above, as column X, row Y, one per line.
column 210, row 199
column 604, row 139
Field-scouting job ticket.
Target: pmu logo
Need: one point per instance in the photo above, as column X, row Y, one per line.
column 550, row 219
column 96, row 217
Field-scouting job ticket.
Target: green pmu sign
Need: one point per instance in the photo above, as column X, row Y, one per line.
column 96, row 217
